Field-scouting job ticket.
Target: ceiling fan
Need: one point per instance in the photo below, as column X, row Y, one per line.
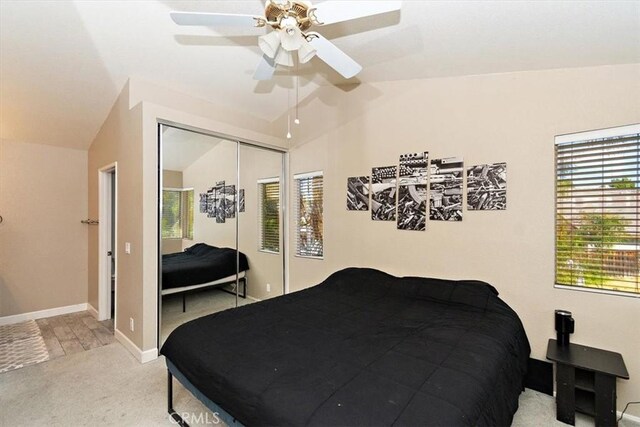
column 291, row 21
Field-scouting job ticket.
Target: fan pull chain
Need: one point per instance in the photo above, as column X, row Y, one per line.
column 297, row 119
column 288, row 113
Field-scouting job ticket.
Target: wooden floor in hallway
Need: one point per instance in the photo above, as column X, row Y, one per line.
column 74, row 332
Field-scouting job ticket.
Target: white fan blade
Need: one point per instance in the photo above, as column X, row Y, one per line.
column 334, row 57
column 266, row 68
column 214, row 19
column 332, row 11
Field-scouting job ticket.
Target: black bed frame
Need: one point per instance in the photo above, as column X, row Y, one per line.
column 172, row 413
column 217, row 285
column 176, row 418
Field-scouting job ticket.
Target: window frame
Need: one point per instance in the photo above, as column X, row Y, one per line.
column 297, row 178
column 185, row 218
column 261, row 183
column 578, row 137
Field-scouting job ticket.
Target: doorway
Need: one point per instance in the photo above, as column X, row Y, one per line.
column 107, row 242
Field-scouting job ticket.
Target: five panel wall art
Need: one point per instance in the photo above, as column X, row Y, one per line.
column 400, row 193
column 219, row 202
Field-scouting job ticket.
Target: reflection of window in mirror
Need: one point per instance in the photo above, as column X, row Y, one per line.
column 177, row 213
column 309, row 219
column 269, row 208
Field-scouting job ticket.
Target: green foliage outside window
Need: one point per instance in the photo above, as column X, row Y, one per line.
column 270, row 216
column 177, row 214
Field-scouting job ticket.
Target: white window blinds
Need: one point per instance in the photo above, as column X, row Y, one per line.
column 308, row 214
column 177, row 214
column 269, row 219
column 598, row 209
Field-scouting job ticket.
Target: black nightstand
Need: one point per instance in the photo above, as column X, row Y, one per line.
column 586, row 382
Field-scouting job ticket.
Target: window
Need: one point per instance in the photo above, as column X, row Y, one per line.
column 598, row 209
column 269, row 219
column 309, row 231
column 177, row 214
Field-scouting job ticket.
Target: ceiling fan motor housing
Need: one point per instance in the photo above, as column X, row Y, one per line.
column 276, row 10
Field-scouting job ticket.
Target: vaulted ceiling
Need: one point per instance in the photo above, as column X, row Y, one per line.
column 63, row 63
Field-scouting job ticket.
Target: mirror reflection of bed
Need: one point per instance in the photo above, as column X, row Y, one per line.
column 220, row 230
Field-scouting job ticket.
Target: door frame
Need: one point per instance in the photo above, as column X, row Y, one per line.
column 107, row 223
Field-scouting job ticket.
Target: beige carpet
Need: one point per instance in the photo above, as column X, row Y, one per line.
column 106, row 386
column 21, row 344
column 199, row 304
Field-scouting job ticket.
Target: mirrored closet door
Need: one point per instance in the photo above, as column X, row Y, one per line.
column 221, row 228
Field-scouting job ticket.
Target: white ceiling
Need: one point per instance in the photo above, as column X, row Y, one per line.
column 180, row 148
column 62, row 63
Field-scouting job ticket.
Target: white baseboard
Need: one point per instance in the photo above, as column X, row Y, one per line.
column 629, row 420
column 141, row 356
column 92, row 310
column 33, row 315
column 149, row 355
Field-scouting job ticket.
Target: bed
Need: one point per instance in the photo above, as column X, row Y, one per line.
column 361, row 348
column 202, row 266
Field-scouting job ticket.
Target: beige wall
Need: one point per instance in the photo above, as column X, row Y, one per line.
column 509, row 118
column 43, row 245
column 219, row 164
column 119, row 141
column 172, row 179
column 265, row 268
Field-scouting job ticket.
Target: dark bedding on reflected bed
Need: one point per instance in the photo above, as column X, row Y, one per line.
column 201, row 263
column 361, row 348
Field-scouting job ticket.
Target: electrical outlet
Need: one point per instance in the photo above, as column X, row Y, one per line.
column 131, row 325
column 127, row 248
column 268, row 287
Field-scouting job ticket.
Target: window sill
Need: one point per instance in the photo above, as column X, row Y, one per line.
column 267, row 251
column 596, row 291
column 309, row 257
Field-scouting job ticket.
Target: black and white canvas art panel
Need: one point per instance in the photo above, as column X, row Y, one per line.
column 383, row 193
column 413, row 168
column 229, row 194
column 445, row 199
column 413, row 174
column 358, row 193
column 204, row 198
column 412, row 207
column 241, row 200
column 487, row 187
column 220, row 202
column 211, row 203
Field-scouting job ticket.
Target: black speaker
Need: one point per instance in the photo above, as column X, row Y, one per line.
column 565, row 326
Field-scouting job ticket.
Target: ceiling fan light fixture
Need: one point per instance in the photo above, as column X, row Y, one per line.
column 270, row 43
column 291, row 38
column 306, row 52
column 284, row 57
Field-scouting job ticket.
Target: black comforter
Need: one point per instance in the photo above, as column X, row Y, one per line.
column 198, row 264
column 361, row 348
